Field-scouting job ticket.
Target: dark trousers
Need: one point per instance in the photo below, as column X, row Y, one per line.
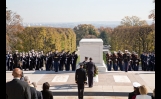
column 142, row 65
column 61, row 66
column 67, row 67
column 73, row 66
column 56, row 64
column 47, row 66
column 24, row 65
column 31, row 66
column 90, row 80
column 120, row 65
column 126, row 66
column 109, row 66
column 15, row 65
column 136, row 67
column 133, row 65
column 80, row 91
column 115, row 66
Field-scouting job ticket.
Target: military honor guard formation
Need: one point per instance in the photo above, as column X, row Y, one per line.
column 128, row 61
column 33, row 60
column 66, row 61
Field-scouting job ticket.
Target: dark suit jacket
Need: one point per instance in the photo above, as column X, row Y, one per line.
column 80, row 76
column 47, row 94
column 33, row 93
column 90, row 68
column 17, row 89
column 39, row 95
column 132, row 94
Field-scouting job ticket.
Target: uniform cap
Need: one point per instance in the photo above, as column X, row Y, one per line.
column 136, row 84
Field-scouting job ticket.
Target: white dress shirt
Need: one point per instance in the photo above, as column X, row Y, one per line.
column 143, row 97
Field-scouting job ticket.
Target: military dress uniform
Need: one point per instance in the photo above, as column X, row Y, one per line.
column 136, row 63
column 10, row 63
column 109, row 61
column 74, row 58
column 142, row 56
column 56, row 63
column 114, row 60
column 120, row 59
column 126, row 60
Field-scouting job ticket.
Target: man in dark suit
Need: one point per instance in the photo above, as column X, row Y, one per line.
column 90, row 72
column 133, row 94
column 32, row 89
column 17, row 89
column 80, row 79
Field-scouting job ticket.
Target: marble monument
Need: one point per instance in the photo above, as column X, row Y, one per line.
column 93, row 48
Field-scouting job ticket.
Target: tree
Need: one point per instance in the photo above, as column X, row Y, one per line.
column 105, row 34
column 13, row 26
column 85, row 30
column 152, row 14
column 132, row 21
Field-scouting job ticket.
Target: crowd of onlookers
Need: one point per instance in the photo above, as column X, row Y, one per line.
column 22, row 88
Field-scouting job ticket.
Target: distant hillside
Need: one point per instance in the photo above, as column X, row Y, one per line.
column 97, row 24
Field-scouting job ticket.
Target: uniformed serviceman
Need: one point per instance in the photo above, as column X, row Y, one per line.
column 10, row 62
column 142, row 56
column 80, row 79
column 74, row 58
column 109, row 60
column 114, row 59
column 67, row 61
column 120, row 58
column 126, row 60
column 90, row 72
column 120, row 61
column 85, row 63
column 133, row 58
column 56, row 63
column 136, row 63
column 16, row 59
column 62, row 61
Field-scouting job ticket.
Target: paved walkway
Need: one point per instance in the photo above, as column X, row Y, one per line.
column 110, row 85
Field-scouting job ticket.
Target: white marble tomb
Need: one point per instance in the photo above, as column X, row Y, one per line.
column 93, row 48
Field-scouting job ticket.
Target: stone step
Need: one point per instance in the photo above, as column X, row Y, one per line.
column 122, row 94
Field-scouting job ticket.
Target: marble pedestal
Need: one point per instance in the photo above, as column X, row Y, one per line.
column 93, row 48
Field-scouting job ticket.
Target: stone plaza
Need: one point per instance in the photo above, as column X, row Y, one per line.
column 110, row 85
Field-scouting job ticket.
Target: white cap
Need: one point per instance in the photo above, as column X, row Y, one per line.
column 136, row 84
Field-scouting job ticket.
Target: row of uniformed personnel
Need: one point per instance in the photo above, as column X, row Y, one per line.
column 36, row 60
column 130, row 61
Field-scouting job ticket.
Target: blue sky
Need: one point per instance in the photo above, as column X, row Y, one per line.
column 79, row 10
